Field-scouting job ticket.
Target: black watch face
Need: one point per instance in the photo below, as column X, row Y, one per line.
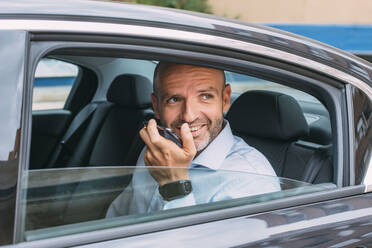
column 174, row 190
column 188, row 187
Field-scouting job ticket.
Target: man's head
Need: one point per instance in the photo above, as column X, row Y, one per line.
column 192, row 94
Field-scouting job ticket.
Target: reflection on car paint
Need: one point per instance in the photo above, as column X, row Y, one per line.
column 331, row 234
column 278, row 40
column 336, row 208
column 362, row 106
column 359, row 70
column 320, row 53
column 11, row 91
column 12, row 44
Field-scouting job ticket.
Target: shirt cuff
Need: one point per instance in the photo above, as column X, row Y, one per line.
column 188, row 200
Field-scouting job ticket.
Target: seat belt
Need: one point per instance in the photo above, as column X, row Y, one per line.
column 76, row 123
column 137, row 144
column 313, row 166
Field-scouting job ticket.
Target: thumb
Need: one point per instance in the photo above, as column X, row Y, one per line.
column 187, row 139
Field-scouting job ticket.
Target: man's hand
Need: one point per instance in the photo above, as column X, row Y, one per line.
column 163, row 152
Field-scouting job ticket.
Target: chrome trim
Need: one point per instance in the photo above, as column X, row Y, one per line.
column 179, row 35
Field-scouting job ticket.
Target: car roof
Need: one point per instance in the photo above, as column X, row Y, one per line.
column 135, row 14
column 119, row 12
column 113, row 10
column 127, row 12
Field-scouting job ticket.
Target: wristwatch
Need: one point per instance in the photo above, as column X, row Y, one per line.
column 176, row 189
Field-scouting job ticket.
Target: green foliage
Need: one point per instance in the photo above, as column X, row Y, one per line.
column 193, row 5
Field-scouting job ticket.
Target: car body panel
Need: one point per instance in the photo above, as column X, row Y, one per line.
column 11, row 42
column 13, row 54
column 330, row 219
column 330, row 224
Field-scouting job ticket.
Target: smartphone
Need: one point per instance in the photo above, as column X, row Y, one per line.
column 167, row 133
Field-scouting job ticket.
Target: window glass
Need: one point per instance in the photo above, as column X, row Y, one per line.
column 86, row 180
column 53, row 83
column 60, row 197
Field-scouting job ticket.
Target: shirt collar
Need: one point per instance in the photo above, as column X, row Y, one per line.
column 215, row 153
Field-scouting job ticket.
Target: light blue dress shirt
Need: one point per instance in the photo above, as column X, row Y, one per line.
column 230, row 169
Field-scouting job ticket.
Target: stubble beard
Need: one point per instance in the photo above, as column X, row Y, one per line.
column 212, row 131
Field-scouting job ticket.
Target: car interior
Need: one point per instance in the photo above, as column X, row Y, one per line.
column 105, row 108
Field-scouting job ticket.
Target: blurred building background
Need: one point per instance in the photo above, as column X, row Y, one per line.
column 341, row 23
column 296, row 11
column 345, row 24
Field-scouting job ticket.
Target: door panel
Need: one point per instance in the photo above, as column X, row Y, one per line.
column 341, row 223
column 12, row 55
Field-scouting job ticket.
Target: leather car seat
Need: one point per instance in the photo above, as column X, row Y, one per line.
column 111, row 128
column 132, row 103
column 273, row 122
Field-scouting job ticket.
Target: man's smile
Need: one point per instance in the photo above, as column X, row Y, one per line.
column 197, row 130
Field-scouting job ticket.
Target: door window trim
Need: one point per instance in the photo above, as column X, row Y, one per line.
column 39, row 49
column 86, row 27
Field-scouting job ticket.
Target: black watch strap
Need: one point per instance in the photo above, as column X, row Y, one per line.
column 176, row 189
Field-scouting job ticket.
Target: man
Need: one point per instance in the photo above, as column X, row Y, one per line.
column 191, row 101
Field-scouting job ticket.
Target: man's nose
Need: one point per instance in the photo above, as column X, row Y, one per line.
column 190, row 111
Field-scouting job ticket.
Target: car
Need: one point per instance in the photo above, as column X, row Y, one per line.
column 76, row 81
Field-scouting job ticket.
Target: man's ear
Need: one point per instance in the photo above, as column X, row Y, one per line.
column 155, row 105
column 226, row 98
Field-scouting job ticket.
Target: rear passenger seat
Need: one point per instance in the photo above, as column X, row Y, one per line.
column 273, row 123
column 108, row 135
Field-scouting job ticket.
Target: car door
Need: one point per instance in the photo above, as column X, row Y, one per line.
column 50, row 190
column 12, row 50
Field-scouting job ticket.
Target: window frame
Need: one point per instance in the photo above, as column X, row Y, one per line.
column 359, row 173
column 130, row 51
column 202, row 55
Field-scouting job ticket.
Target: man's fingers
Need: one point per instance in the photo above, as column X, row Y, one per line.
column 156, row 139
column 147, row 162
column 163, row 148
column 187, row 139
column 145, row 137
column 147, row 157
column 153, row 132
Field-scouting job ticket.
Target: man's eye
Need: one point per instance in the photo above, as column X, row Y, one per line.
column 173, row 100
column 206, row 96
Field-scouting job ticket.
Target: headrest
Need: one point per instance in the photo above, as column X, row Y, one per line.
column 268, row 114
column 130, row 90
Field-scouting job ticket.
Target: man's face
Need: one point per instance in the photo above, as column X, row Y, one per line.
column 195, row 95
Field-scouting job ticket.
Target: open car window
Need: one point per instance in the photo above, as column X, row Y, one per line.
column 241, row 83
column 81, row 175
column 67, row 201
column 316, row 114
